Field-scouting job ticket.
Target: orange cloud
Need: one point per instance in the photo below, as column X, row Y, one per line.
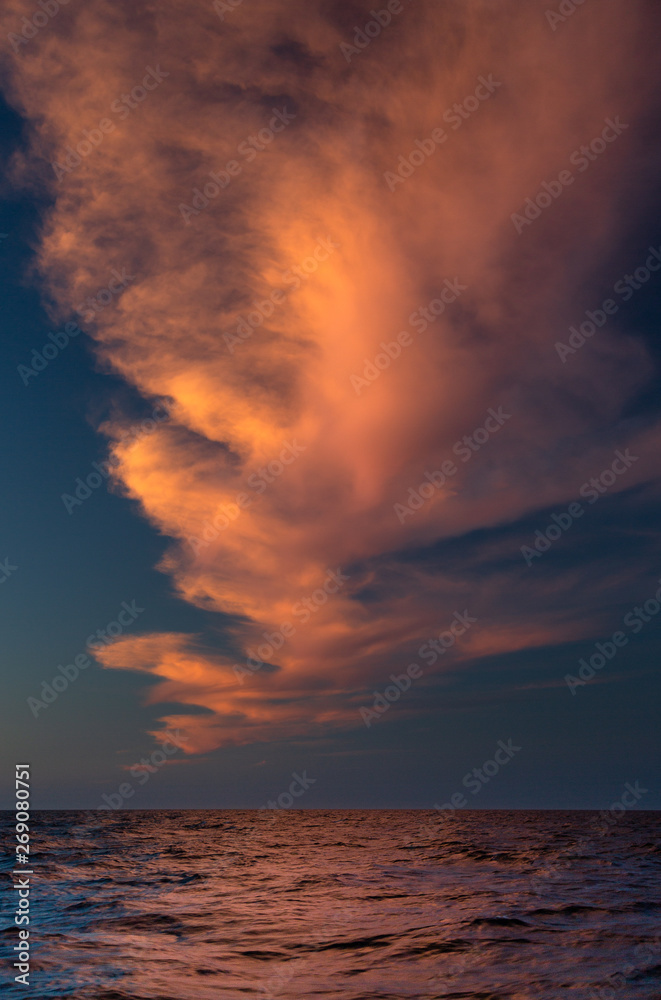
column 286, row 387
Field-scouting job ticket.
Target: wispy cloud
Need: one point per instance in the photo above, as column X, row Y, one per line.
column 230, row 413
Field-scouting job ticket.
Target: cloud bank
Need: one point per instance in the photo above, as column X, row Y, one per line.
column 330, row 290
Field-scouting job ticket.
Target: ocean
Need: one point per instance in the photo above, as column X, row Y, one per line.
column 340, row 905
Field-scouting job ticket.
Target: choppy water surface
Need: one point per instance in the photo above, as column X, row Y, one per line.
column 351, row 905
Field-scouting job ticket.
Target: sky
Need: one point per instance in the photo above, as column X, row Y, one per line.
column 331, row 403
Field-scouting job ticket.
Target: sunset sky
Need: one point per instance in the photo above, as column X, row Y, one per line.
column 359, row 320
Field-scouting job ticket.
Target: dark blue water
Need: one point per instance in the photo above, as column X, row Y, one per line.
column 352, row 905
